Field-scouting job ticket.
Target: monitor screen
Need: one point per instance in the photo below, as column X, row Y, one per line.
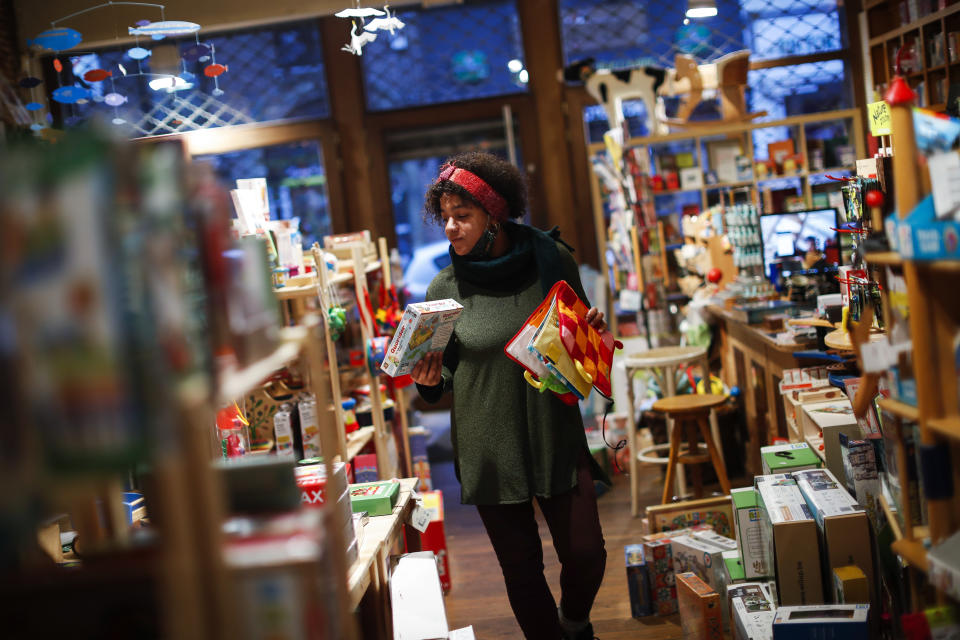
column 800, row 242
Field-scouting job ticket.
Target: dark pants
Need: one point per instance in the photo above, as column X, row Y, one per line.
column 575, row 526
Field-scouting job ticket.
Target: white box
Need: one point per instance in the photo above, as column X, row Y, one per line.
column 700, row 557
column 417, row 598
column 751, row 611
column 824, row 622
column 425, row 327
column 832, row 419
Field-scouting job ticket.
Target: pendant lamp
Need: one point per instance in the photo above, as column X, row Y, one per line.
column 701, row 8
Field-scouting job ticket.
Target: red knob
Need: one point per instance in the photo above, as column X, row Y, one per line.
column 714, row 275
column 875, row 198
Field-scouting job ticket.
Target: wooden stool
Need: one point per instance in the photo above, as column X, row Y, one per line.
column 690, row 413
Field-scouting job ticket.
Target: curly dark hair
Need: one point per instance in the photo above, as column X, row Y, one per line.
column 502, row 176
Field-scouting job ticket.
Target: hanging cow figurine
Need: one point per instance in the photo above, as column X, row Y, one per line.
column 727, row 76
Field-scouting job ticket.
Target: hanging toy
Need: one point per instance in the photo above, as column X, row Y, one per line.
column 388, row 310
column 336, row 322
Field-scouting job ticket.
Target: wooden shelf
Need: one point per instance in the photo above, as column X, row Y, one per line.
column 913, row 552
column 816, row 444
column 901, row 409
column 345, row 276
column 949, row 427
column 671, row 192
column 236, row 382
column 729, row 185
column 820, row 172
column 915, row 25
column 887, row 258
column 357, row 441
column 939, row 265
column 300, row 291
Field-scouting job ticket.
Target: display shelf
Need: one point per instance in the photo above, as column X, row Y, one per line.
column 379, row 535
column 949, row 427
column 886, row 258
column 912, row 26
column 913, row 552
column 236, row 382
column 673, row 192
column 840, row 339
column 947, row 266
column 357, row 440
column 816, row 444
column 900, row 409
column 294, row 292
column 728, row 185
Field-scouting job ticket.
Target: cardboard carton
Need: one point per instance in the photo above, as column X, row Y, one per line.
column 663, row 588
column 698, row 556
column 746, row 521
column 823, row 622
column 786, row 458
column 831, row 419
column 733, row 567
column 418, row 610
column 638, row 581
column 699, row 608
column 751, row 611
column 792, row 541
column 863, row 477
column 424, row 328
column 843, row 525
column 435, row 538
column 376, row 498
column 850, row 586
column 314, row 485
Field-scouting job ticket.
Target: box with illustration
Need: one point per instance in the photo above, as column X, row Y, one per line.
column 749, row 528
column 424, row 327
column 638, row 581
column 700, row 556
column 830, row 419
column 663, row 588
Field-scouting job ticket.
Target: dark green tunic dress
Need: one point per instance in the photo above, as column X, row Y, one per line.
column 510, row 441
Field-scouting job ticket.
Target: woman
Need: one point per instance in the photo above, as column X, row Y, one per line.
column 511, row 443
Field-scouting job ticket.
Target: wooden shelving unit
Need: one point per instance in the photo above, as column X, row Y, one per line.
column 887, row 33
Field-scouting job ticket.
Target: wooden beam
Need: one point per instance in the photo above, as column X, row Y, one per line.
column 540, row 25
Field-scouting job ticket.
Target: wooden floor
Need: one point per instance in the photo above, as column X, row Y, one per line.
column 478, row 596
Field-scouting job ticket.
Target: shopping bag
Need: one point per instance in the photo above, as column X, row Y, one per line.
column 560, row 351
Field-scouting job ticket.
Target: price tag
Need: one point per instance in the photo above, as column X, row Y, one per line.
column 420, row 518
column 878, row 115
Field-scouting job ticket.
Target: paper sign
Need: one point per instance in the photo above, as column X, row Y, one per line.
column 945, row 178
column 878, row 113
column 419, row 518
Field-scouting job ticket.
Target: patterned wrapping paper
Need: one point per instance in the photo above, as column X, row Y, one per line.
column 663, row 587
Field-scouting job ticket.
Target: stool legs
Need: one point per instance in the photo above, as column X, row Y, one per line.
column 718, row 465
column 692, row 448
column 675, row 437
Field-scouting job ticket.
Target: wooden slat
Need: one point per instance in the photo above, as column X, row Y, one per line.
column 900, row 409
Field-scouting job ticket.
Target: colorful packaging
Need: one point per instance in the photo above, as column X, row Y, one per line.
column 418, row 457
column 365, row 468
column 863, row 477
column 663, row 588
column 309, row 427
column 699, row 607
column 749, row 528
column 638, row 581
column 791, row 537
column 376, row 498
column 830, row 419
column 751, row 611
column 700, row 557
column 435, row 538
column 313, row 484
column 424, row 328
column 822, row 621
column 283, row 430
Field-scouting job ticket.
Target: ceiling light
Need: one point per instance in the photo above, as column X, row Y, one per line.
column 514, row 66
column 701, row 8
column 523, row 76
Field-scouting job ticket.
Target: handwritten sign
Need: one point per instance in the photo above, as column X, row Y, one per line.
column 878, row 113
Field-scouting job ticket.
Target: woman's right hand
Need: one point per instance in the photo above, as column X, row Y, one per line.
column 428, row 371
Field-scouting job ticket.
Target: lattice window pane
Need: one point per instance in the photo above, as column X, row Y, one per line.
column 445, row 54
column 274, row 73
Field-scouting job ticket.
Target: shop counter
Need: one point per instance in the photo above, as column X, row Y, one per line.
column 754, row 361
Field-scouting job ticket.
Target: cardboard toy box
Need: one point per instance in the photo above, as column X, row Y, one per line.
column 666, row 535
column 842, row 523
column 314, row 485
column 365, row 468
column 376, row 498
column 732, row 567
column 831, row 419
column 749, row 528
column 425, row 327
column 822, row 622
column 638, row 581
column 663, row 588
column 699, row 606
column 435, row 538
column 786, row 458
column 700, row 556
column 863, row 477
column 792, row 541
column 850, row 585
column 751, row 611
column 418, row 611
column 418, row 437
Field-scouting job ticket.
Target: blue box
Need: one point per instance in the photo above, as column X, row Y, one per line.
column 638, row 581
column 135, row 506
column 822, row 622
column 921, row 236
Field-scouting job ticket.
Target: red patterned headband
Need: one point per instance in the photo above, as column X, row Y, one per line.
column 492, row 201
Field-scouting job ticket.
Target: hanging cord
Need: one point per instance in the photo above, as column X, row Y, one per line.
column 603, row 432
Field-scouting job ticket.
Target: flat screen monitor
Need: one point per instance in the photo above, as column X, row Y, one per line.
column 800, row 242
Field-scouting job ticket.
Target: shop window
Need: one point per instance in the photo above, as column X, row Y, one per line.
column 296, row 182
column 446, row 54
column 273, row 73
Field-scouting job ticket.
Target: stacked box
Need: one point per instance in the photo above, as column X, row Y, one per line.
column 699, row 608
column 376, row 498
column 638, row 581
column 751, row 611
column 786, row 458
column 365, row 468
column 823, row 622
column 850, row 585
column 418, row 458
column 791, row 538
column 863, row 477
column 435, row 537
column 699, row 556
column 831, row 419
column 842, row 523
column 746, row 521
column 666, row 535
column 663, row 588
column 314, row 485
column 733, row 567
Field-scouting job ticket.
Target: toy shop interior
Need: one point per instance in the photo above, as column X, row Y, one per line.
column 245, row 396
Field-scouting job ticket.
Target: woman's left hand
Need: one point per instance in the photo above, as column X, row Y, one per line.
column 595, row 319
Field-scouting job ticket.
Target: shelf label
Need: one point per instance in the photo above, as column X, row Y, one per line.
column 878, row 113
